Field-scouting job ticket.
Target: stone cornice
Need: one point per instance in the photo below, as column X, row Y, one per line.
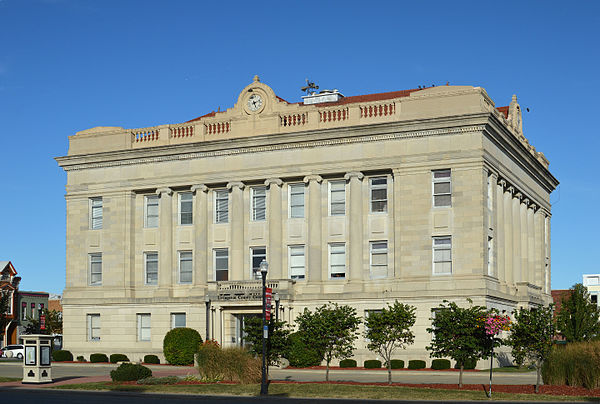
column 353, row 174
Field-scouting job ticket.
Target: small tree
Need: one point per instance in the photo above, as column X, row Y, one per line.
column 458, row 333
column 389, row 330
column 277, row 343
column 578, row 318
column 531, row 337
column 332, row 328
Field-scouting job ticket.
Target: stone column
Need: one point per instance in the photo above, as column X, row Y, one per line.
column 531, row 270
column 200, row 257
column 500, row 227
column 524, row 242
column 236, row 219
column 516, row 216
column 547, row 254
column 508, row 235
column 165, row 253
column 492, row 231
column 275, row 250
column 315, row 248
column 355, row 224
column 396, row 247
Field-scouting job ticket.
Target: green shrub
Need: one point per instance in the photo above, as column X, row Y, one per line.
column 159, row 380
column 180, row 345
column 440, row 364
column 151, row 359
column 62, row 356
column 397, row 364
column 301, row 355
column 98, row 357
column 129, row 371
column 416, row 364
column 348, row 363
column 81, row 358
column 469, row 364
column 118, row 357
column 230, row 364
column 576, row 364
column 372, row 364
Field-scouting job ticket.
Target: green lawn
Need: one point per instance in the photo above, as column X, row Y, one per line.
column 10, row 379
column 510, row 369
column 322, row 390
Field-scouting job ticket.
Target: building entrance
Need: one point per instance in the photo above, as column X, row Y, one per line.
column 240, row 323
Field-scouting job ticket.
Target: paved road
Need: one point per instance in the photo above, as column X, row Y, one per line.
column 64, row 370
column 76, row 397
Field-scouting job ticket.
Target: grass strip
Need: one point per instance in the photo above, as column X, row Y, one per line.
column 309, row 390
column 10, row 379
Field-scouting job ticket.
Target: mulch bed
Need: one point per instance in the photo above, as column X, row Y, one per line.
column 383, row 369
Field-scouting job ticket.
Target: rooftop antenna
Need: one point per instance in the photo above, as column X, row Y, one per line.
column 309, row 87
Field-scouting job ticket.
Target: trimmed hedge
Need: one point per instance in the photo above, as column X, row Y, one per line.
column 372, row 364
column 300, row 354
column 348, row 363
column 81, row 358
column 180, row 345
column 397, row 364
column 62, row 355
column 98, row 357
column 470, row 364
column 128, row 371
column 118, row 357
column 440, row 364
column 416, row 364
column 151, row 359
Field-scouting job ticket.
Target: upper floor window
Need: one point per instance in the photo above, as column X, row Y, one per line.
column 378, row 189
column 221, row 264
column 185, row 267
column 442, row 188
column 442, row 255
column 221, row 206
column 151, row 211
column 32, row 310
column 95, row 265
column 178, row 320
column 337, row 260
column 297, row 262
column 96, row 213
column 296, row 200
column 379, row 259
column 259, row 203
column 337, row 198
column 258, row 254
column 24, row 311
column 93, row 327
column 151, row 265
column 185, row 208
column 490, row 256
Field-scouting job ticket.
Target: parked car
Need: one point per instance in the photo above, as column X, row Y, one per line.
column 13, row 351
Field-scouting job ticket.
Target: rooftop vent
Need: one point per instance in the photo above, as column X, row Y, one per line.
column 322, row 97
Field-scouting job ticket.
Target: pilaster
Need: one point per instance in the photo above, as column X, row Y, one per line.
column 275, row 249
column 524, row 240
column 500, row 230
column 238, row 230
column 356, row 227
column 531, row 269
column 508, row 235
column 315, row 220
column 165, row 254
column 201, row 263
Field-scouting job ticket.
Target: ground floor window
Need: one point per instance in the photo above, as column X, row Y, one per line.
column 143, row 327
column 177, row 320
column 93, row 326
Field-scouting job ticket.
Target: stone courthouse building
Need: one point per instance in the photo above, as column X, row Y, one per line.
column 417, row 196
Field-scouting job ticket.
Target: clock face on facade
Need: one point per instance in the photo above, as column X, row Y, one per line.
column 255, row 102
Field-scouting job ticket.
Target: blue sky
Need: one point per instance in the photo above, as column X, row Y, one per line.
column 69, row 65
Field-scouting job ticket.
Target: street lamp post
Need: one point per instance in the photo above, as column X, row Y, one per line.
column 207, row 302
column 264, row 388
column 277, row 307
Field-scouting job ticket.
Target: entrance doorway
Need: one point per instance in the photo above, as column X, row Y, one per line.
column 240, row 323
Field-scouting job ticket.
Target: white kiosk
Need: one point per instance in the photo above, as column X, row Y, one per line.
column 37, row 364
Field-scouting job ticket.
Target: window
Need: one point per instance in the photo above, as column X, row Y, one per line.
column 337, row 198
column 95, row 213
column 221, row 264
column 185, row 208
column 24, row 311
column 185, row 267
column 594, row 298
column 93, row 327
column 41, row 307
column 151, row 211
column 442, row 188
column 258, row 254
column 151, row 259
column 379, row 259
column 143, row 327
column 95, row 269
column 177, row 320
column 296, row 200
column 32, row 310
column 221, row 206
column 442, row 255
column 378, row 187
column 297, row 262
column 337, row 260
column 490, row 256
column 259, row 204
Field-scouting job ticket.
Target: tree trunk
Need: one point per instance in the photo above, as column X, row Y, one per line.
column 327, row 372
column 539, row 375
column 462, row 366
column 389, row 366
